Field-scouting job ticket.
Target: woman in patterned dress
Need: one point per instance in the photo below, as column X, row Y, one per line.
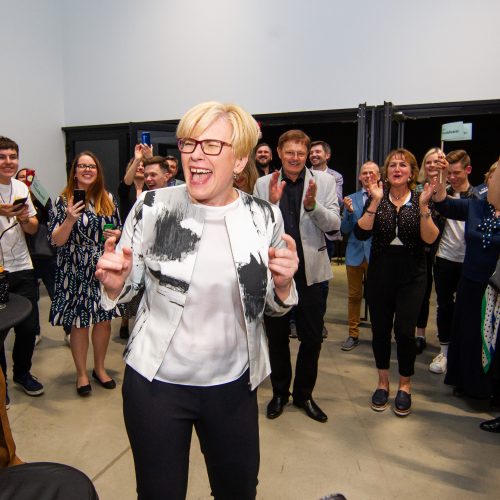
column 79, row 231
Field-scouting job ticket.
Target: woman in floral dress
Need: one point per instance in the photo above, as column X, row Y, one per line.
column 79, row 231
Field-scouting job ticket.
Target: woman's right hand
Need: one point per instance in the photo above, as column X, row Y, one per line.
column 375, row 188
column 73, row 212
column 439, row 182
column 113, row 268
column 142, row 151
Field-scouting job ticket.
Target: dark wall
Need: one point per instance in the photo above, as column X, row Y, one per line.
column 484, row 148
column 342, row 138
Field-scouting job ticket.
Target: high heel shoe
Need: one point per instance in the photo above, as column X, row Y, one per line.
column 109, row 384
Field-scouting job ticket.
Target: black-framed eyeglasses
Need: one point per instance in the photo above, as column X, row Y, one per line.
column 84, row 166
column 211, row 147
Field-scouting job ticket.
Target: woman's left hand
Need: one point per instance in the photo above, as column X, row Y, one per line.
column 108, row 233
column 426, row 195
column 283, row 264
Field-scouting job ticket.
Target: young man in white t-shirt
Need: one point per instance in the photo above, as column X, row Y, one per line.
column 450, row 256
column 15, row 221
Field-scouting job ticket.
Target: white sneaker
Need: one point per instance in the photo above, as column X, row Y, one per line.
column 438, row 364
column 37, row 339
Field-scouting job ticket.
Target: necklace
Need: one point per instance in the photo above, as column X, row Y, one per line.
column 10, row 194
column 396, row 197
column 10, row 197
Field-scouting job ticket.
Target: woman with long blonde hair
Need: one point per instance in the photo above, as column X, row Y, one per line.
column 79, row 231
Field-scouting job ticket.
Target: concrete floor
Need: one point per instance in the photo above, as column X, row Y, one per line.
column 438, row 452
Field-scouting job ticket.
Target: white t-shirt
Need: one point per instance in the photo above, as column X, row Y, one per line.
column 452, row 243
column 209, row 346
column 13, row 242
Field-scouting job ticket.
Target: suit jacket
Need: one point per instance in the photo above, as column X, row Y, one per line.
column 314, row 224
column 356, row 250
column 164, row 231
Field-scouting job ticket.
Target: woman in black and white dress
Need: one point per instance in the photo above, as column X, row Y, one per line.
column 79, row 231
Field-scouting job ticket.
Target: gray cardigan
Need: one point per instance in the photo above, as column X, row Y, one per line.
column 313, row 225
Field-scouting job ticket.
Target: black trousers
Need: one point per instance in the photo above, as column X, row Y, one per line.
column 446, row 277
column 45, row 269
column 309, row 321
column 23, row 283
column 423, row 315
column 159, row 418
column 464, row 369
column 395, row 289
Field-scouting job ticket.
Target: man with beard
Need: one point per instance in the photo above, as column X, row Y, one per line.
column 263, row 159
column 319, row 155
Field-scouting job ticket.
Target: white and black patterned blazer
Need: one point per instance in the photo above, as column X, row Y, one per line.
column 164, row 229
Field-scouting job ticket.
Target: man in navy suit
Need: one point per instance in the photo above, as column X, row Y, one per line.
column 357, row 252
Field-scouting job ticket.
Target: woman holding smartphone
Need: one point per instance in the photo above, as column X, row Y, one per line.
column 79, row 229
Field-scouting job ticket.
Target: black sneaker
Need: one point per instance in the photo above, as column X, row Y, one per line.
column 350, row 343
column 402, row 404
column 379, row 400
column 30, row 384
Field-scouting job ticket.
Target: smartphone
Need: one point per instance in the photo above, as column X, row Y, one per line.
column 107, row 226
column 20, row 201
column 146, row 138
column 78, row 195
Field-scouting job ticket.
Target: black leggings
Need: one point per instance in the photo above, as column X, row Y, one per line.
column 395, row 289
column 159, row 418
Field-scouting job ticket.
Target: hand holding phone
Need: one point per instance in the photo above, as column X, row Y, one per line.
column 72, row 213
column 78, row 195
column 146, row 138
column 20, row 201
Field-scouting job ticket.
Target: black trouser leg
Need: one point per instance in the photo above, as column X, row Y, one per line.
column 309, row 319
column 278, row 331
column 228, row 430
column 423, row 314
column 408, row 298
column 23, row 283
column 446, row 277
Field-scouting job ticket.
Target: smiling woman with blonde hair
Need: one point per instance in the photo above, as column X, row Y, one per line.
column 211, row 259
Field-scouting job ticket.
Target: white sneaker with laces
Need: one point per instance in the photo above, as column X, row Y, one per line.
column 438, row 364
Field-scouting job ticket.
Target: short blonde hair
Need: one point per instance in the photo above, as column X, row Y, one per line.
column 422, row 175
column 245, row 129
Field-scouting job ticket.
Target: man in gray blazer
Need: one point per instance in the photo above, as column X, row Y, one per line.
column 309, row 205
